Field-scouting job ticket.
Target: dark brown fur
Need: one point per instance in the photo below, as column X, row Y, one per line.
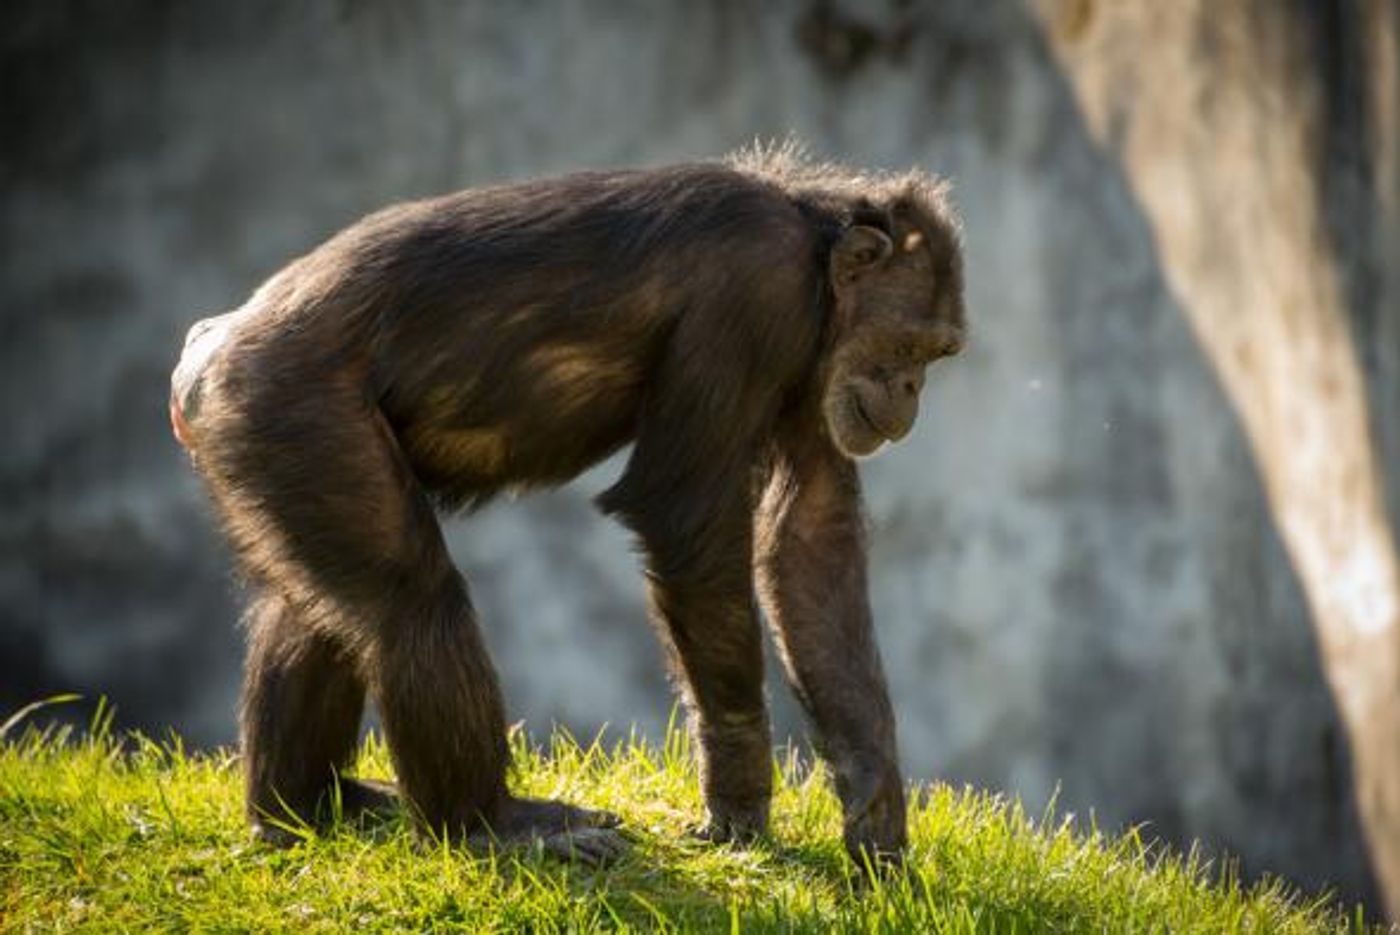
column 750, row 325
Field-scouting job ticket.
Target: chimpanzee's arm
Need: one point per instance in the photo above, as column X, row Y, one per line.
column 693, row 522
column 689, row 493
column 810, row 568
column 704, row 606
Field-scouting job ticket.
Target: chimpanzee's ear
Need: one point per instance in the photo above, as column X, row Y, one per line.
column 860, row 248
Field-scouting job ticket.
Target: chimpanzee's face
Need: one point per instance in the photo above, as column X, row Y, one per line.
column 898, row 309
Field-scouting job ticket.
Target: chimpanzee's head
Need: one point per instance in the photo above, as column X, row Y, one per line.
column 896, row 279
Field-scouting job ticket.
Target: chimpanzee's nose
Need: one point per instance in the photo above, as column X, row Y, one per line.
column 909, row 383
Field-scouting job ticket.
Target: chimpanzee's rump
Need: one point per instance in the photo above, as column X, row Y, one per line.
column 202, row 342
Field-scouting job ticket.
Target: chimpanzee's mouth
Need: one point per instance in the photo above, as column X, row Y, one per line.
column 865, row 417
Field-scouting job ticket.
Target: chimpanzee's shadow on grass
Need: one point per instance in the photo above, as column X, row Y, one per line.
column 654, row 877
column 814, row 860
column 373, row 811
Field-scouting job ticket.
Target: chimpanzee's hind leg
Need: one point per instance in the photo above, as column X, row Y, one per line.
column 302, row 701
column 321, row 504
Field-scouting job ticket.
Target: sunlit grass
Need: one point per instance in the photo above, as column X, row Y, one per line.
column 124, row 833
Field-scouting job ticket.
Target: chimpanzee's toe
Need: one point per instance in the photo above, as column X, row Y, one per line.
column 595, row 847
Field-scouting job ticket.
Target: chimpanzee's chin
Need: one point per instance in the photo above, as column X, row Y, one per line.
column 861, row 445
column 873, row 450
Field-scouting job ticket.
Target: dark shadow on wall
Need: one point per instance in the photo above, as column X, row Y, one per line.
column 104, row 591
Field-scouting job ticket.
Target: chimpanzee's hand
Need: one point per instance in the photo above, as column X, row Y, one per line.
column 739, row 823
column 875, row 832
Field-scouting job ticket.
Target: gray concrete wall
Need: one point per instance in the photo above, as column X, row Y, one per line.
column 1076, row 578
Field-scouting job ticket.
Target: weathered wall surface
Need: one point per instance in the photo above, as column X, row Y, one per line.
column 1078, row 581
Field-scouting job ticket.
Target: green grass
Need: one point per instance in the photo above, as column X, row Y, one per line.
column 126, row 834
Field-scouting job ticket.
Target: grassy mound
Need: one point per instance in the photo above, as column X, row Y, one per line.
column 112, row 833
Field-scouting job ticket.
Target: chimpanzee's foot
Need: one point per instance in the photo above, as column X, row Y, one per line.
column 367, row 797
column 359, row 798
column 563, row 830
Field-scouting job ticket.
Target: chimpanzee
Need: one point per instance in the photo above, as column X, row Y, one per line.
column 752, row 326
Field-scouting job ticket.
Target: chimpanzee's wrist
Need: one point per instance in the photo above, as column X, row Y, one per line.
column 737, row 768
